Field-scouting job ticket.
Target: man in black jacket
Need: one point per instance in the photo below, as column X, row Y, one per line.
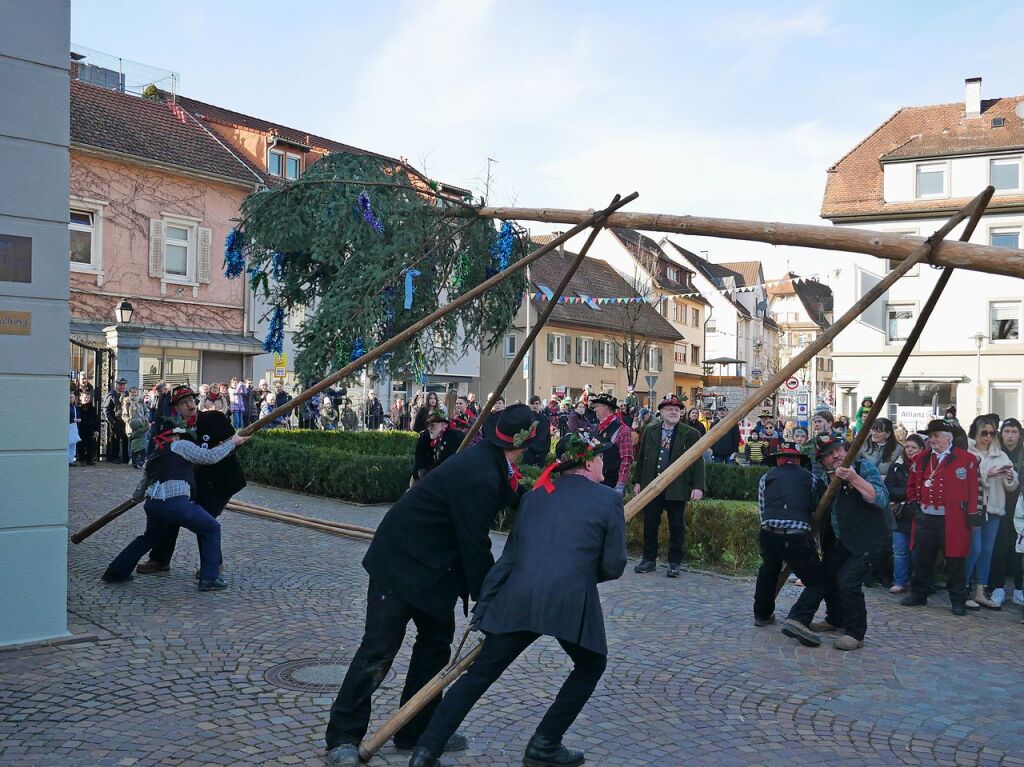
column 431, row 548
column 214, row 484
column 567, row 538
column 436, row 444
column 724, row 451
column 117, row 437
column 538, row 454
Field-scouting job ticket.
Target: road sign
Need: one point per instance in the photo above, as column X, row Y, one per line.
column 280, row 373
column 281, row 360
column 526, row 367
column 73, row 374
column 801, row 409
column 803, row 397
column 651, row 380
column 792, row 383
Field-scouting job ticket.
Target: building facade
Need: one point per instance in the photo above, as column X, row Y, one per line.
column 802, row 308
column 908, row 177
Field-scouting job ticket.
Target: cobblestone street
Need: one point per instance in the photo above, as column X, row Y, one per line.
column 160, row 674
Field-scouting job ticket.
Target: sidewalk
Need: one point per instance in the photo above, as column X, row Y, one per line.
column 165, row 675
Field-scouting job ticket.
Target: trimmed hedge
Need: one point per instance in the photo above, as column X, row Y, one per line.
column 731, row 482
column 401, row 443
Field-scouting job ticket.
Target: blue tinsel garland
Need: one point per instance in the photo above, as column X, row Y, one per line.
column 234, row 255
column 502, row 248
column 275, row 336
column 372, row 220
column 277, row 265
column 358, row 349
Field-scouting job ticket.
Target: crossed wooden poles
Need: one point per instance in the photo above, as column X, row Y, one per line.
column 909, row 250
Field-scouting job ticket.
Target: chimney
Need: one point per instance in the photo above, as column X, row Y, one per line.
column 972, row 97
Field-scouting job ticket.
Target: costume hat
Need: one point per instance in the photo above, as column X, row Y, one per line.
column 514, row 428
column 937, row 424
column 790, row 450
column 604, row 398
column 180, row 393
column 825, row 444
column 670, row 400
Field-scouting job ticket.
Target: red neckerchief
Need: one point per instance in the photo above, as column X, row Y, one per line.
column 513, row 475
column 192, row 420
column 601, row 426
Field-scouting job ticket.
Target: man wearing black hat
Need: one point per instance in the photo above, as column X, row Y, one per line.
column 611, row 429
column 786, row 502
column 214, row 483
column 117, row 436
column 942, row 491
column 437, row 443
column 543, row 587
column 431, row 548
column 660, row 445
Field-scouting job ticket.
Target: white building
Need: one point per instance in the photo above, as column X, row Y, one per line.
column 909, row 176
column 802, row 308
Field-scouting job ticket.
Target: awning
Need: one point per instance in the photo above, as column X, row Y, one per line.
column 928, row 379
column 723, row 361
column 176, row 338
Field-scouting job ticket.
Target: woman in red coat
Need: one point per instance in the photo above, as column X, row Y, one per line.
column 942, row 490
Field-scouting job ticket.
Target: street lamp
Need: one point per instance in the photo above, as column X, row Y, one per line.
column 979, row 339
column 123, row 312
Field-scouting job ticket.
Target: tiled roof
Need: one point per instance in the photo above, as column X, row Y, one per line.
column 854, row 184
column 149, row 130
column 749, row 271
column 714, row 273
column 598, row 279
column 639, row 244
column 815, row 297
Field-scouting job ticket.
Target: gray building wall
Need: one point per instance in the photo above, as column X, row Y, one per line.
column 34, row 45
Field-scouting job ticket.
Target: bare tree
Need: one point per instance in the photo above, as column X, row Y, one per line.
column 634, row 341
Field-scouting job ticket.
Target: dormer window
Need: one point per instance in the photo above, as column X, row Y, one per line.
column 292, row 167
column 1004, row 174
column 672, row 273
column 283, row 164
column 275, row 163
column 931, row 180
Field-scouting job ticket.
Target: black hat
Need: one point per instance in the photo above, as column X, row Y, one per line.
column 825, row 444
column 437, row 415
column 937, row 424
column 515, row 427
column 790, row 450
column 604, row 398
column 121, row 381
column 670, row 400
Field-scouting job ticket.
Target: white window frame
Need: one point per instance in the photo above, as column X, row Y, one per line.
column 681, row 347
column 993, row 385
column 1020, row 320
column 889, row 264
column 279, row 153
column 652, row 358
column 711, row 327
column 509, row 345
column 695, row 316
column 192, row 253
column 587, row 351
column 997, row 230
column 609, row 353
column 944, row 164
column 1007, row 161
column 95, row 209
column 298, row 159
column 901, row 305
column 559, row 356
column 293, row 320
column 673, row 273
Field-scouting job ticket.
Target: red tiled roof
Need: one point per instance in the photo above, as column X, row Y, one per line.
column 749, row 271
column 854, row 184
column 149, row 130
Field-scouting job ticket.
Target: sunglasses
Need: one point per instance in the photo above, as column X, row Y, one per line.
column 987, row 433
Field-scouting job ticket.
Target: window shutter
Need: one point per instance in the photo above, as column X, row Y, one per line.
column 600, row 353
column 203, row 260
column 568, row 348
column 579, row 350
column 661, row 360
column 610, row 359
column 156, row 247
column 551, row 346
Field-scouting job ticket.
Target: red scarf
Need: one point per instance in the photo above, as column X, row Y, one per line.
column 513, row 475
column 601, row 426
column 544, row 480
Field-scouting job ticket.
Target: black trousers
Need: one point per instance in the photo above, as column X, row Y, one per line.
column 676, row 511
column 87, row 448
column 117, row 444
column 929, row 540
column 1005, row 559
column 163, row 551
column 844, row 586
column 798, row 550
column 387, row 617
column 497, row 654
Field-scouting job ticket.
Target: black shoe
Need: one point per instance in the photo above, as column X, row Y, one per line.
column 541, row 752
column 646, row 566
column 217, row 584
column 762, row 622
column 958, row 608
column 457, row 742
column 345, row 755
column 673, row 571
column 914, row 600
column 110, row 577
column 423, row 758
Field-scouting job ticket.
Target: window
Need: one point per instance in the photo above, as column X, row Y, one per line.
column 899, row 319
column 558, row 348
column 275, row 163
column 293, row 165
column 664, row 307
column 679, row 314
column 81, row 234
column 608, row 356
column 1004, row 174
column 673, row 273
column 85, row 235
column 890, row 265
column 711, row 327
column 1004, row 324
column 585, row 351
column 680, row 353
column 931, row 180
column 695, row 316
column 176, row 250
column 694, row 355
column 1004, row 237
column 1004, row 398
column 510, row 345
column 654, row 359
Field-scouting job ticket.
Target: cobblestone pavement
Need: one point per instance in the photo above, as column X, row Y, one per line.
column 160, row 674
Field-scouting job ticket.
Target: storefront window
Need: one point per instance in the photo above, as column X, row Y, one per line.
column 937, row 395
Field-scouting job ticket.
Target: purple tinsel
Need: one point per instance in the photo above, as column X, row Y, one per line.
column 372, row 220
column 234, row 255
column 502, row 247
column 275, row 336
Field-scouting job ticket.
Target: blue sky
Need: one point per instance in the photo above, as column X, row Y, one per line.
column 733, row 111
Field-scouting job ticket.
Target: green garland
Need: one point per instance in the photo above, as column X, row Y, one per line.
column 338, row 242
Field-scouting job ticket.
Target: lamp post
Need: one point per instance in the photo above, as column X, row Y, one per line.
column 125, row 339
column 979, row 339
column 123, row 312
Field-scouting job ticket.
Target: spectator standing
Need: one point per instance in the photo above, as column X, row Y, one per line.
column 373, row 412
column 329, row 415
column 259, row 396
column 865, row 407
column 215, row 401
column 462, row 419
column 950, row 415
column 881, row 447
column 896, row 484
column 610, row 428
column 537, row 453
column 117, row 439
column 88, row 428
column 756, row 449
column 349, row 419
column 473, row 406
column 997, row 478
column 430, row 403
column 726, row 448
column 83, row 384
column 238, row 393
column 1005, row 559
column 694, row 422
column 280, row 395
column 399, row 414
column 73, row 436
column 136, row 426
column 660, row 445
column 800, row 439
column 577, row 419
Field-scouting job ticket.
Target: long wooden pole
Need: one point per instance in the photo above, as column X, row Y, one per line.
column 719, row 430
column 324, row 526
column 982, row 258
column 590, row 220
column 427, row 693
column 242, row 506
column 524, row 348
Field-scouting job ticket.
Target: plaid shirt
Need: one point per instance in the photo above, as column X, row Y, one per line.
column 191, row 452
column 624, row 441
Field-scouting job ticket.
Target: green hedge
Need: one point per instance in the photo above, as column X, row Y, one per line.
column 402, row 443
column 731, row 482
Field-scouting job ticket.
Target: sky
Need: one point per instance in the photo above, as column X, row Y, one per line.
column 734, row 111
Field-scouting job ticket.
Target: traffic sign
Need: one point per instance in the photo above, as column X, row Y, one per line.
column 792, row 383
column 801, row 409
column 651, row 380
column 281, row 360
column 803, row 397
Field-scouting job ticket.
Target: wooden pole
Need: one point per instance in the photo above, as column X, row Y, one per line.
column 322, row 525
column 513, row 366
column 427, row 693
column 590, row 220
column 982, row 258
column 719, row 430
column 243, row 507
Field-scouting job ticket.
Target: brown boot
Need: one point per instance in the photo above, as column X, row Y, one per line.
column 983, row 600
column 847, row 642
column 152, row 566
column 823, row 627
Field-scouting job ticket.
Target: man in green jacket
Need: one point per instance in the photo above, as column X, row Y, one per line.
column 660, row 445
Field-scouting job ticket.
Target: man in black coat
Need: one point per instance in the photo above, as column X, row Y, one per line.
column 215, row 484
column 431, row 548
column 117, row 437
column 567, row 538
column 436, row 444
column 538, row 454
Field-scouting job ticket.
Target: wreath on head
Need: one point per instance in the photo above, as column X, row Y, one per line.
column 579, row 448
column 523, row 436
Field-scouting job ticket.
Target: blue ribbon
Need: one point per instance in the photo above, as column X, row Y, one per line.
column 409, row 289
